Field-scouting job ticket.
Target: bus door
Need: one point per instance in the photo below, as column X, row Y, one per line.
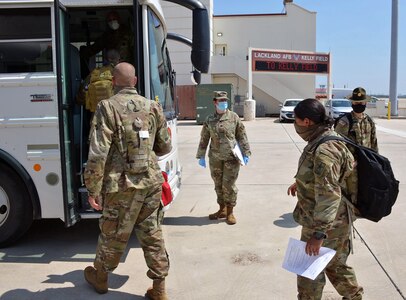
column 65, row 111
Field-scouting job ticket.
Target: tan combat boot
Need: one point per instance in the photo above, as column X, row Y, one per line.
column 230, row 217
column 97, row 278
column 157, row 291
column 220, row 214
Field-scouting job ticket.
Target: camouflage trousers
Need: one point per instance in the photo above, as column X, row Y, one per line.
column 124, row 211
column 225, row 174
column 341, row 276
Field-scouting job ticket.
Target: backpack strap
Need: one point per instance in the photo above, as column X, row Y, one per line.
column 336, row 138
column 350, row 122
column 370, row 119
column 349, row 117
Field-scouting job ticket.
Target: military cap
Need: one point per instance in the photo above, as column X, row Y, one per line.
column 218, row 95
column 359, row 95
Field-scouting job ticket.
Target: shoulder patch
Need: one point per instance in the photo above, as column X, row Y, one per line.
column 343, row 121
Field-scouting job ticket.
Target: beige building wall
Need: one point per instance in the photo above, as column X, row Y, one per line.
column 232, row 35
column 179, row 21
column 294, row 30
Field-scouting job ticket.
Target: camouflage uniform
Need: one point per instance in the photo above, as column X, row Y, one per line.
column 363, row 131
column 223, row 131
column 121, row 39
column 321, row 181
column 131, row 199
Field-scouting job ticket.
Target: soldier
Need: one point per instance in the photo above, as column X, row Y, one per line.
column 224, row 130
column 124, row 180
column 98, row 85
column 357, row 125
column 323, row 177
column 117, row 36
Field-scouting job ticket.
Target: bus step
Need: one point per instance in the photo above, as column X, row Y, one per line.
column 83, row 196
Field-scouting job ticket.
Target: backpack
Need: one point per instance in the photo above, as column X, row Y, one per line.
column 133, row 137
column 377, row 186
column 100, row 87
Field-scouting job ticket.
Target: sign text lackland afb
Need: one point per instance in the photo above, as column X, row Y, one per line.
column 290, row 62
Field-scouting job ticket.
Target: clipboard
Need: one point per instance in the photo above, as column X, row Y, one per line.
column 238, row 154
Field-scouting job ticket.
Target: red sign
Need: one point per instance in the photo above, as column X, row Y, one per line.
column 290, row 62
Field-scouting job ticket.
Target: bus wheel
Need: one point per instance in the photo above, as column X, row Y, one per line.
column 16, row 213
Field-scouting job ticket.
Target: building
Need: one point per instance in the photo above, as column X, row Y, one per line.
column 232, row 35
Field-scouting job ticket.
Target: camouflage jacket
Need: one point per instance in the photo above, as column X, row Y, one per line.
column 121, row 39
column 324, row 175
column 223, row 132
column 363, row 131
column 104, row 171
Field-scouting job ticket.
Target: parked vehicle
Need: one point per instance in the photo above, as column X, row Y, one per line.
column 286, row 112
column 335, row 108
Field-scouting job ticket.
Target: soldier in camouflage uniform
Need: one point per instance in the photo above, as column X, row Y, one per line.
column 223, row 130
column 124, row 180
column 96, row 78
column 362, row 131
column 117, row 36
column 322, row 179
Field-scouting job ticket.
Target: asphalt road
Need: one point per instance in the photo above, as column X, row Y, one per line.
column 210, row 259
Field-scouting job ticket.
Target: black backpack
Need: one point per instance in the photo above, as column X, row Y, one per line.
column 377, row 185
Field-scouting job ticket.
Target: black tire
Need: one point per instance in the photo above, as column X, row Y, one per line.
column 16, row 212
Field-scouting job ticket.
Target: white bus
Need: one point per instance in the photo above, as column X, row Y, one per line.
column 43, row 132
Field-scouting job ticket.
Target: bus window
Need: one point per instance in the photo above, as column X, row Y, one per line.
column 161, row 85
column 22, row 50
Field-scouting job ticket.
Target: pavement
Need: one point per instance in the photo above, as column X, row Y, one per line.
column 210, row 259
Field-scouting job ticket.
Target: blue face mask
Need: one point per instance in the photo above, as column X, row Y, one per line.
column 222, row 106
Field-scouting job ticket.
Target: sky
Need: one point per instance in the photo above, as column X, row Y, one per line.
column 357, row 33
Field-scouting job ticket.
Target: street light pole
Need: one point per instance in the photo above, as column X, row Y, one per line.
column 393, row 95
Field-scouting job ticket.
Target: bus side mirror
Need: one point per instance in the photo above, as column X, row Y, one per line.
column 196, row 77
column 201, row 40
column 201, row 34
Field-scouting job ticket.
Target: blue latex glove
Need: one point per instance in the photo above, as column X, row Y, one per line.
column 246, row 159
column 202, row 162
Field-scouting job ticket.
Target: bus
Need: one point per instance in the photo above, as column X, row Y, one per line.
column 43, row 131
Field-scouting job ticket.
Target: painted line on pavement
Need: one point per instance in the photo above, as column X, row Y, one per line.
column 391, row 131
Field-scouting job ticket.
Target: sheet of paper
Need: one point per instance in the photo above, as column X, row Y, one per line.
column 297, row 261
column 237, row 152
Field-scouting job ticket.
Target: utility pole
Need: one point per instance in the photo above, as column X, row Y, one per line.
column 393, row 93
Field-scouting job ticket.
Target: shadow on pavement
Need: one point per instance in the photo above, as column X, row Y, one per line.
column 187, row 123
column 49, row 240
column 286, row 221
column 80, row 290
column 190, row 221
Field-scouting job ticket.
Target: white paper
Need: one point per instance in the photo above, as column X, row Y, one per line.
column 237, row 153
column 297, row 261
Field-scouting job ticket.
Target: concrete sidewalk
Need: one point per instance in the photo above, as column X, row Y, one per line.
column 211, row 260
